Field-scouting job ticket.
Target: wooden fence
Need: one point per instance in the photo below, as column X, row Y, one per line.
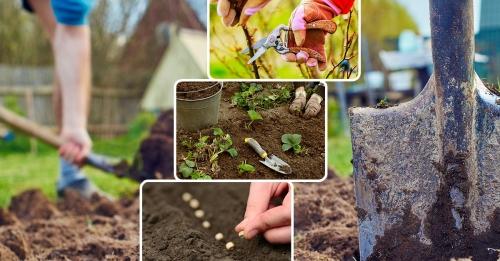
column 111, row 109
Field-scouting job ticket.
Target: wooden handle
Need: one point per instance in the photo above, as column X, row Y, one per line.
column 30, row 128
column 256, row 146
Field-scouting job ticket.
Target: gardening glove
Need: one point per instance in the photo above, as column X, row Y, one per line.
column 233, row 12
column 261, row 216
column 308, row 45
column 76, row 145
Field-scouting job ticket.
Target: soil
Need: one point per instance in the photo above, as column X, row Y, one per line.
column 276, row 122
column 447, row 241
column 172, row 232
column 74, row 228
column 155, row 157
column 196, row 90
column 326, row 220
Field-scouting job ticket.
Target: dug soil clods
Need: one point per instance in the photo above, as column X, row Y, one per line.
column 73, row 229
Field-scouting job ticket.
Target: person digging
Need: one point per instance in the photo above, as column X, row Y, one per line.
column 310, row 43
column 307, row 108
column 66, row 24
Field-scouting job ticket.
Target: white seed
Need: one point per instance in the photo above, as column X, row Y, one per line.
column 199, row 213
column 219, row 236
column 186, row 196
column 241, row 234
column 206, row 224
column 194, row 203
column 229, row 245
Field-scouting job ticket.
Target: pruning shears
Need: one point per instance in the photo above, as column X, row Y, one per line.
column 271, row 161
column 273, row 40
column 278, row 40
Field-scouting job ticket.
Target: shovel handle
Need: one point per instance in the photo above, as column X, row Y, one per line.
column 256, row 146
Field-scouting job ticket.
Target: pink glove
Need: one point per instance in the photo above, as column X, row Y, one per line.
column 263, row 217
column 307, row 12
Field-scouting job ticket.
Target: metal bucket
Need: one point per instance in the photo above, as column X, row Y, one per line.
column 199, row 113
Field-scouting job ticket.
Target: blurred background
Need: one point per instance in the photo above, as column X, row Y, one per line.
column 397, row 63
column 226, row 43
column 139, row 49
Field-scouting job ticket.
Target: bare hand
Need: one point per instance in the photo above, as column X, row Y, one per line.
column 77, row 145
column 263, row 217
column 228, row 14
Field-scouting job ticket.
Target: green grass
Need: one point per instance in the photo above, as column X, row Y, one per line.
column 22, row 170
column 340, row 155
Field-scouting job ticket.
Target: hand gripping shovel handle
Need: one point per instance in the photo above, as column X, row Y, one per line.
column 46, row 135
column 256, row 147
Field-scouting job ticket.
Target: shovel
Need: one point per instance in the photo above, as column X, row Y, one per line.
column 118, row 167
column 271, row 161
column 427, row 172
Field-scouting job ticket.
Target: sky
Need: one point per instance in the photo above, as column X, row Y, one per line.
column 419, row 10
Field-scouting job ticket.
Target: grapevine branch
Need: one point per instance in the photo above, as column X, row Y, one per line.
column 249, row 44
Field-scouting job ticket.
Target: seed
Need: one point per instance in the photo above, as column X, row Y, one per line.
column 241, row 234
column 206, row 224
column 199, row 213
column 194, row 203
column 219, row 236
column 186, row 196
column 229, row 245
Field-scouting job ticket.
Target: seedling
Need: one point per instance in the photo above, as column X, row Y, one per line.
column 199, row 213
column 254, row 116
column 187, row 168
column 219, row 236
column 253, row 96
column 229, row 245
column 194, row 203
column 383, row 104
column 292, row 141
column 244, row 167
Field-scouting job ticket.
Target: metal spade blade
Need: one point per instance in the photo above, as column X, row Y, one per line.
column 427, row 172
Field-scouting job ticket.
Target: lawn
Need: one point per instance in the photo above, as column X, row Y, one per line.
column 340, row 155
column 23, row 170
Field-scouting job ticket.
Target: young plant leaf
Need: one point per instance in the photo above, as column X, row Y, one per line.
column 218, row 132
column 190, row 163
column 232, row 152
column 254, row 116
column 185, row 170
column 246, row 168
column 286, row 146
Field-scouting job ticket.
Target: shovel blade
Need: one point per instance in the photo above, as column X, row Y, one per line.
column 404, row 195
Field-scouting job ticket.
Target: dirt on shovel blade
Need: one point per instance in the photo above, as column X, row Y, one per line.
column 155, row 157
column 326, row 220
column 33, row 228
column 172, row 232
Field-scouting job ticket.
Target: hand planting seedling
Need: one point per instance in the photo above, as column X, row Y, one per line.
column 292, row 141
column 254, row 116
column 244, row 167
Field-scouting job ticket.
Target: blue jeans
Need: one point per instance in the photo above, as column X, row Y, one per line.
column 69, row 175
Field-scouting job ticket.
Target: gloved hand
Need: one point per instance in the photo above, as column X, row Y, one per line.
column 274, row 222
column 242, row 8
column 307, row 12
column 77, row 145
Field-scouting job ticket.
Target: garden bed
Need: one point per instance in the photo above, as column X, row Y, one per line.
column 172, row 232
column 326, row 220
column 276, row 121
column 33, row 228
